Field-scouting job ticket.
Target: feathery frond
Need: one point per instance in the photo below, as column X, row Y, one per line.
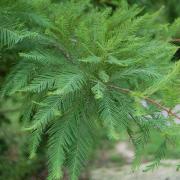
column 83, row 68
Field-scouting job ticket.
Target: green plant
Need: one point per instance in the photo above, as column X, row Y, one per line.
column 89, row 72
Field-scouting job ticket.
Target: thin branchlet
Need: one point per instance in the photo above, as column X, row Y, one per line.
column 152, row 101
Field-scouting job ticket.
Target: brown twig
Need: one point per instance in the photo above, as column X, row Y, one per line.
column 152, row 101
column 65, row 53
column 168, row 110
column 175, row 40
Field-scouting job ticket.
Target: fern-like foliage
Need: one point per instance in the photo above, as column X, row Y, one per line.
column 90, row 74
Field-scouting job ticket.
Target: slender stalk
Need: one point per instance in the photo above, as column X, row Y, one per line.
column 152, row 101
column 175, row 40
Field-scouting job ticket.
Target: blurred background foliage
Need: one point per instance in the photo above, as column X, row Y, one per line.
column 171, row 7
column 13, row 149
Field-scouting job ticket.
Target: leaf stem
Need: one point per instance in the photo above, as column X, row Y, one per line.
column 152, row 101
